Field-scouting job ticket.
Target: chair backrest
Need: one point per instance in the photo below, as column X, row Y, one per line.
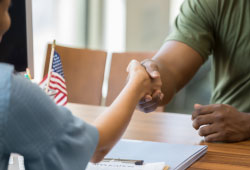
column 83, row 71
column 118, row 74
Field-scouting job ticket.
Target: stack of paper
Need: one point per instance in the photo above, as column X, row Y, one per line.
column 176, row 156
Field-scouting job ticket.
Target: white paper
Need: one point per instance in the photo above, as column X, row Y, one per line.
column 21, row 163
column 11, row 160
column 114, row 165
column 176, row 156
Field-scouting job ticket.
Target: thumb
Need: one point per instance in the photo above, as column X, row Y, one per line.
column 151, row 67
column 197, row 106
column 154, row 74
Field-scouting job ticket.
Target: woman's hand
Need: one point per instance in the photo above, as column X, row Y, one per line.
column 139, row 77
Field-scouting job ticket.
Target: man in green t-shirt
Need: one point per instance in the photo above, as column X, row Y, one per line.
column 220, row 28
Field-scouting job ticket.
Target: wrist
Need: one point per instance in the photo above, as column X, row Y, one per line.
column 137, row 88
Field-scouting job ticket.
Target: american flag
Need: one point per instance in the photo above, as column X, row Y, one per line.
column 57, row 86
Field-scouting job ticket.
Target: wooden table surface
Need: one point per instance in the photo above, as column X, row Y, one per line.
column 176, row 128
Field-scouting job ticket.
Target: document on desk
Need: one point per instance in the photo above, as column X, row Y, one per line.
column 176, row 156
column 115, row 165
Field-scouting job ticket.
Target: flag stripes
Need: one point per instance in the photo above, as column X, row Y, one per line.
column 57, row 86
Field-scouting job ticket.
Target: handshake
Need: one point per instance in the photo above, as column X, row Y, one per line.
column 146, row 77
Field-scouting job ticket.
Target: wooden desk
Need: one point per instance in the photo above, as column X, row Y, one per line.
column 176, row 128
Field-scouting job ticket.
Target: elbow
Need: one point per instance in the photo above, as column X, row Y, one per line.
column 96, row 159
column 98, row 156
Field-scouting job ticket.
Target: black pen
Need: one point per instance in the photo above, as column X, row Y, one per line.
column 136, row 162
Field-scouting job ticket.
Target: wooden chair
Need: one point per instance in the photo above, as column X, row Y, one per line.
column 118, row 74
column 83, row 71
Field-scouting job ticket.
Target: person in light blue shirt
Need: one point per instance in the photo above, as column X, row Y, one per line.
column 31, row 124
column 50, row 137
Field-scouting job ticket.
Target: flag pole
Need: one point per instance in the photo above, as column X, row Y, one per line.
column 50, row 64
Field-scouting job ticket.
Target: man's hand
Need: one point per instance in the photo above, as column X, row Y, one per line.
column 150, row 102
column 221, row 123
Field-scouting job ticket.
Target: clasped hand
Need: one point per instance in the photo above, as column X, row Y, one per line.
column 216, row 122
column 139, row 76
column 151, row 101
column 221, row 123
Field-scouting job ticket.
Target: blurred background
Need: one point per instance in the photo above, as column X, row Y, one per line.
column 114, row 26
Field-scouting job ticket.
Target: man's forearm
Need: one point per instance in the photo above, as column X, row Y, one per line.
column 169, row 86
column 177, row 64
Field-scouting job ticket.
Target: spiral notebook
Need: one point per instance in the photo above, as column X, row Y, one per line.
column 176, row 156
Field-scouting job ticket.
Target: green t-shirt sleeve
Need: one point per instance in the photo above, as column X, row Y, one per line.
column 194, row 26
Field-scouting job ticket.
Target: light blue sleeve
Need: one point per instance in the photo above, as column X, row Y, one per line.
column 5, row 76
column 49, row 137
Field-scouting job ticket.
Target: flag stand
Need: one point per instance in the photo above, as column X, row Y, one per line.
column 53, row 83
column 50, row 65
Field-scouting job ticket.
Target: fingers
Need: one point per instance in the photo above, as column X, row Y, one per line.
column 151, row 101
column 207, row 130
column 153, row 71
column 210, row 133
column 151, row 67
column 210, row 130
column 215, row 137
column 202, row 110
column 132, row 65
column 148, row 98
column 203, row 120
column 149, row 106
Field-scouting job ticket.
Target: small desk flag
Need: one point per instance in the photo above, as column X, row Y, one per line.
column 57, row 86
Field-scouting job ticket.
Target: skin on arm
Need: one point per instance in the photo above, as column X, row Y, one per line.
column 114, row 121
column 112, row 124
column 176, row 63
column 4, row 17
